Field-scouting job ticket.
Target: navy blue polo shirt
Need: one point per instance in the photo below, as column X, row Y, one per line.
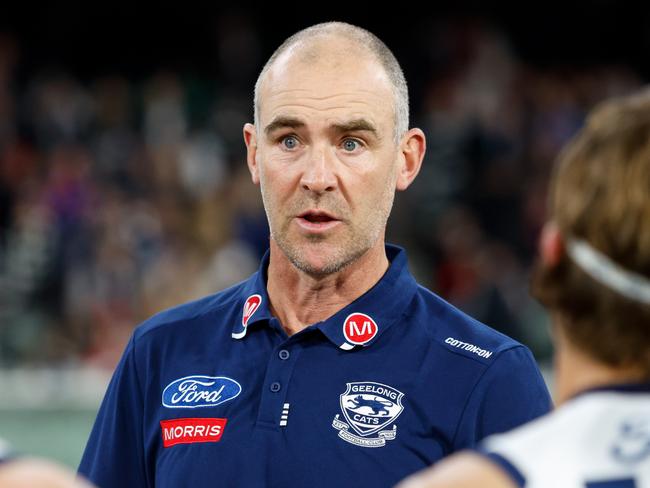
column 214, row 392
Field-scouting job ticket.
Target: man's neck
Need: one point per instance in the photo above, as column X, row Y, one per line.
column 299, row 300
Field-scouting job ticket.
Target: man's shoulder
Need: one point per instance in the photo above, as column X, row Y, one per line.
column 459, row 333
column 215, row 304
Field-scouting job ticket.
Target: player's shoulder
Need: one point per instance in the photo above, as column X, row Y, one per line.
column 531, row 436
column 570, row 422
column 597, row 425
column 457, row 332
column 219, row 303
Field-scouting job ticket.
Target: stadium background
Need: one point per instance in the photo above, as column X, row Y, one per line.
column 123, row 186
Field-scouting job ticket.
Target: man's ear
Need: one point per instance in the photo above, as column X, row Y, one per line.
column 411, row 152
column 250, row 138
column 551, row 245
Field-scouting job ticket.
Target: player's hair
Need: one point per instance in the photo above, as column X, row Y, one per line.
column 363, row 39
column 600, row 194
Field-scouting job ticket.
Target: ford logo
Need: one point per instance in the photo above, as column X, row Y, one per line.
column 200, row 391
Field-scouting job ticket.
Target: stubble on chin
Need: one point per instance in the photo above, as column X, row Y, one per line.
column 338, row 259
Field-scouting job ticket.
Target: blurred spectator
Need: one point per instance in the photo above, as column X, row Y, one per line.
column 30, row 472
column 119, row 198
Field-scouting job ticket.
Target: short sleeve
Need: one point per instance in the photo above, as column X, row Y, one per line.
column 511, row 392
column 114, row 454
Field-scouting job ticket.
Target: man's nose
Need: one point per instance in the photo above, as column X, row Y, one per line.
column 319, row 175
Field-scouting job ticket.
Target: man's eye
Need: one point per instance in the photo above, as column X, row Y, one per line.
column 350, row 144
column 290, row 142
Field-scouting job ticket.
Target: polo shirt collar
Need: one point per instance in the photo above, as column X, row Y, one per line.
column 356, row 325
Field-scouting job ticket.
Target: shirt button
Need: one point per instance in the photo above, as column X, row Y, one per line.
column 275, row 387
column 284, row 354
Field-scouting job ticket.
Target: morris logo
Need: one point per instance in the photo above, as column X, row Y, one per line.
column 200, row 391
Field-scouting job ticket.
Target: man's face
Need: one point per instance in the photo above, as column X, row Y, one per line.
column 326, row 158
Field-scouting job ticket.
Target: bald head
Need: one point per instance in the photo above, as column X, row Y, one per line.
column 333, row 43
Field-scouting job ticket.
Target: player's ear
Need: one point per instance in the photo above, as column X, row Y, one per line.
column 411, row 152
column 551, row 245
column 250, row 138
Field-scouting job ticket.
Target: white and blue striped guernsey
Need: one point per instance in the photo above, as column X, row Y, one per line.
column 598, row 439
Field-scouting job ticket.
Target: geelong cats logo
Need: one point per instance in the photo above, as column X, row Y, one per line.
column 368, row 408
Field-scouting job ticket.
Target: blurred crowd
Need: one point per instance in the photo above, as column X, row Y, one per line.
column 121, row 197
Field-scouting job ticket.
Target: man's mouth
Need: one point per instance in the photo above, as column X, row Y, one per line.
column 317, row 221
column 317, row 216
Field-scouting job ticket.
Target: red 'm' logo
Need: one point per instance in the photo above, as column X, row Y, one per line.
column 359, row 328
column 250, row 307
column 188, row 431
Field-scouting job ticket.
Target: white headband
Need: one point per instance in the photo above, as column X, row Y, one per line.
column 608, row 273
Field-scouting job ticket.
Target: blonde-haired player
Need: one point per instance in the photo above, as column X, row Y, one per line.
column 594, row 277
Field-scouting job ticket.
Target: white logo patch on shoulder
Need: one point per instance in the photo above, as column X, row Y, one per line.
column 466, row 346
column 368, row 408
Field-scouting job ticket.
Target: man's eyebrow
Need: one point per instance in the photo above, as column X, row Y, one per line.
column 282, row 122
column 356, row 125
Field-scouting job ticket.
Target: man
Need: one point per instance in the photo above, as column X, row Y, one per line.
column 594, row 276
column 330, row 366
